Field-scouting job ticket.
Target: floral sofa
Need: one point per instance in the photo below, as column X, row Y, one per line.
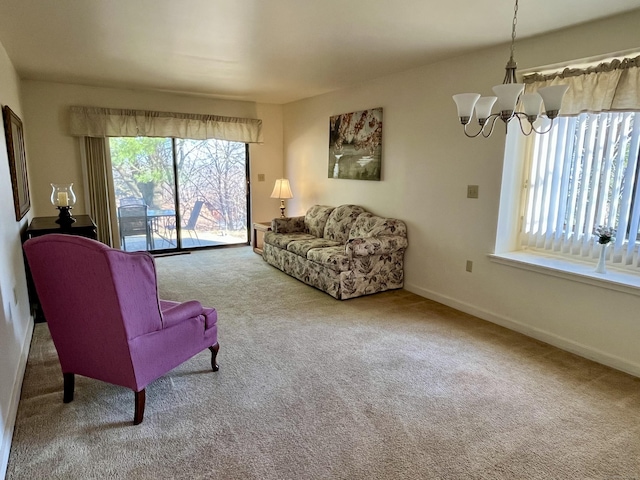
column 344, row 251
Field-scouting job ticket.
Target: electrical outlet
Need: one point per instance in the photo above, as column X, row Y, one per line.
column 261, row 177
column 472, row 191
column 469, row 266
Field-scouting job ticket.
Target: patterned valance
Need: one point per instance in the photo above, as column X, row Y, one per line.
column 612, row 86
column 111, row 122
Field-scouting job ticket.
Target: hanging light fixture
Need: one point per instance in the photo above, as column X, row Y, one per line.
column 506, row 98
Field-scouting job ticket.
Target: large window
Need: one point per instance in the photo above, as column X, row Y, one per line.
column 582, row 174
column 560, row 186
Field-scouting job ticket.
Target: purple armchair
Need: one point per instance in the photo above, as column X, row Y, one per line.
column 106, row 319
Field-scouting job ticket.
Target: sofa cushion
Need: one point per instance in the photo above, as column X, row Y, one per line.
column 340, row 222
column 281, row 240
column 370, row 225
column 301, row 247
column 316, row 218
column 333, row 258
column 288, row 225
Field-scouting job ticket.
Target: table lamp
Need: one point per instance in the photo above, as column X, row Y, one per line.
column 282, row 190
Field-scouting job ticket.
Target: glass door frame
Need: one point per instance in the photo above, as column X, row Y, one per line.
column 178, row 214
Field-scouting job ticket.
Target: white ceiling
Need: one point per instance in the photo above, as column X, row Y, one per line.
column 273, row 51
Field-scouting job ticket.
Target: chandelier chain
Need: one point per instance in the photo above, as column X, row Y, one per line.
column 513, row 29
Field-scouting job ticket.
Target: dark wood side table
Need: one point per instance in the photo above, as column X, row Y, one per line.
column 259, row 227
column 83, row 227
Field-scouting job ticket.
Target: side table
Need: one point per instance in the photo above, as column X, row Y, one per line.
column 83, row 227
column 259, row 227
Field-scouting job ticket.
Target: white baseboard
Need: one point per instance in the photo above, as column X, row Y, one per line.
column 569, row 345
column 10, row 420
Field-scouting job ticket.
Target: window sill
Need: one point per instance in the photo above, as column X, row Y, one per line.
column 574, row 270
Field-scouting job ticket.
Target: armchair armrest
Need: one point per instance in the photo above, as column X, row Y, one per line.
column 288, row 225
column 379, row 245
column 174, row 313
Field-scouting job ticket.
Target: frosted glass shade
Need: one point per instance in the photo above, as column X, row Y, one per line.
column 282, row 189
column 465, row 103
column 508, row 94
column 484, row 106
column 531, row 103
column 552, row 96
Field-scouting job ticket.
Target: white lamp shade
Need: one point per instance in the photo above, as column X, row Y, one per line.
column 465, row 103
column 542, row 124
column 282, row 189
column 531, row 103
column 552, row 96
column 508, row 94
column 484, row 106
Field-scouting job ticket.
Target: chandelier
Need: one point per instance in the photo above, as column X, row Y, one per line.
column 507, row 96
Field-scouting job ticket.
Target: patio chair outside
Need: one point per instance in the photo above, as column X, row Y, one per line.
column 133, row 221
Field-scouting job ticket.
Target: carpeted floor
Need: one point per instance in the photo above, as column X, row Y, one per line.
column 390, row 386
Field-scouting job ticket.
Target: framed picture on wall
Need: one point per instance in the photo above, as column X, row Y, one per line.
column 17, row 162
column 355, row 145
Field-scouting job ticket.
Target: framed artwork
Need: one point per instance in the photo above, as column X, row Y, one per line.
column 17, row 162
column 355, row 145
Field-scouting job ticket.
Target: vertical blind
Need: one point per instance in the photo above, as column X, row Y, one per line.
column 582, row 174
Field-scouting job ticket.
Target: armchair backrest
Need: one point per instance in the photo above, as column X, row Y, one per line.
column 96, row 299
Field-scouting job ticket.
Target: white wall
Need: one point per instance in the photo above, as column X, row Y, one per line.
column 54, row 156
column 15, row 319
column 427, row 165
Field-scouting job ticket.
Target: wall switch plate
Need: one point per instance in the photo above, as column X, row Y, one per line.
column 472, row 191
column 469, row 266
column 261, row 177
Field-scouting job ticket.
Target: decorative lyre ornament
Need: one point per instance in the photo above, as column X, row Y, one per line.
column 506, row 99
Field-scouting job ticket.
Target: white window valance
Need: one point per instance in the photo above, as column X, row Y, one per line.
column 111, row 122
column 612, row 86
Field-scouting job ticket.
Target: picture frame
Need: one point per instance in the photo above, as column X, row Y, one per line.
column 355, row 145
column 14, row 135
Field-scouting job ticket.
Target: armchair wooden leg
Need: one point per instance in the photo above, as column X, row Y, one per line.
column 214, row 352
column 139, row 412
column 69, row 386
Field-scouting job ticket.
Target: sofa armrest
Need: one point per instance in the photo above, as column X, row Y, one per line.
column 288, row 225
column 378, row 245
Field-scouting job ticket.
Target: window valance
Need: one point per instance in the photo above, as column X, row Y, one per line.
column 612, row 86
column 111, row 122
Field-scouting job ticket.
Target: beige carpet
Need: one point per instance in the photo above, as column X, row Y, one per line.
column 391, row 386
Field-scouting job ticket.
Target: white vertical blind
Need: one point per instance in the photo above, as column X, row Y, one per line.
column 582, row 174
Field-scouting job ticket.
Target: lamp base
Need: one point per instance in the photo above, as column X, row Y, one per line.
column 64, row 217
column 281, row 208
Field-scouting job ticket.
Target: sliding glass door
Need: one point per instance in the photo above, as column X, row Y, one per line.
column 174, row 194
